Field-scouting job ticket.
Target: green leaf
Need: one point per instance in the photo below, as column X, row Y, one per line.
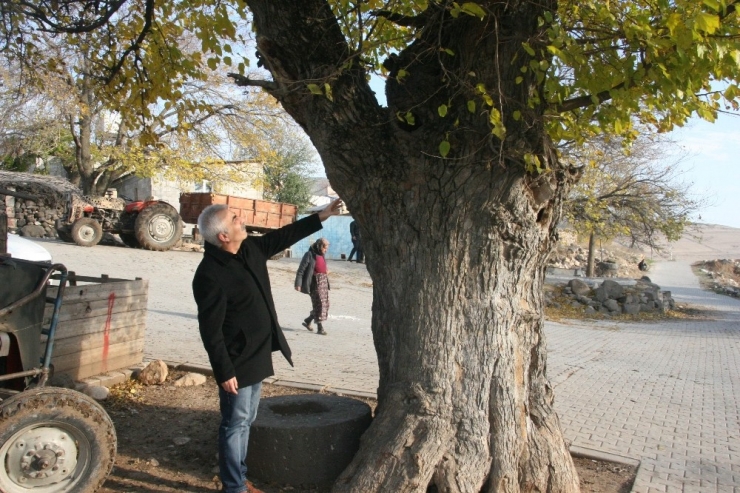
column 449, row 51
column 519, row 79
column 409, row 117
column 712, row 4
column 444, row 148
column 674, row 21
column 401, row 74
column 442, row 110
column 315, row 89
column 528, row 49
column 707, row 22
column 213, row 63
column 473, row 9
column 471, row 106
column 516, row 115
column 327, row 90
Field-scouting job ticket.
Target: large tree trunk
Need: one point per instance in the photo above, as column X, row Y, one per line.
column 457, row 322
column 456, row 247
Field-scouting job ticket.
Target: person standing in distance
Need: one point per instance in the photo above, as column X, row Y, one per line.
column 354, row 231
column 312, row 278
column 238, row 323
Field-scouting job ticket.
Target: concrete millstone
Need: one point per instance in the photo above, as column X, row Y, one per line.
column 305, row 439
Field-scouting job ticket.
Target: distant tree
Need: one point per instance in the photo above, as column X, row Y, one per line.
column 630, row 189
column 115, row 125
column 62, row 117
column 287, row 159
column 30, row 127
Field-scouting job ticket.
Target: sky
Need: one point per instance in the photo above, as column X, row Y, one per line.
column 712, row 164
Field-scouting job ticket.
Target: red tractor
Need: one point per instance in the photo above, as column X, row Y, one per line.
column 150, row 224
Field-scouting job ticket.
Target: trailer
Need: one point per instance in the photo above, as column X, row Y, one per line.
column 52, row 440
column 260, row 216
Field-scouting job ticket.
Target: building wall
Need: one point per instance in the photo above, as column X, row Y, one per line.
column 336, row 230
column 136, row 188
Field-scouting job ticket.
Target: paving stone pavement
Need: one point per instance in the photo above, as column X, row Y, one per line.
column 663, row 393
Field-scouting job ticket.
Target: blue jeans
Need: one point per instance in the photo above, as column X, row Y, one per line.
column 237, row 414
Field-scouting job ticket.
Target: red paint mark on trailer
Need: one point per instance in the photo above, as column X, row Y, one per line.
column 106, row 336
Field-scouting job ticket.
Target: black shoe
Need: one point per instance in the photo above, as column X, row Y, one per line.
column 321, row 332
column 307, row 325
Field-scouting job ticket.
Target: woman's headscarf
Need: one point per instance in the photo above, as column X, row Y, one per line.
column 316, row 246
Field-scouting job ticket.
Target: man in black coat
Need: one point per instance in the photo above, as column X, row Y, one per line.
column 354, row 231
column 238, row 323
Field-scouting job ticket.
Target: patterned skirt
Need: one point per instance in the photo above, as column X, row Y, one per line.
column 320, row 297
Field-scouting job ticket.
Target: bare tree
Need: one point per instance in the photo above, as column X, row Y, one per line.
column 631, row 190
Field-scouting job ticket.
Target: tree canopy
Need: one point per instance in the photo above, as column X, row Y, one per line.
column 599, row 64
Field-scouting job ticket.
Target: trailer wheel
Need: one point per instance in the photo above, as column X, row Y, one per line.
column 129, row 240
column 158, row 227
column 54, row 440
column 87, row 232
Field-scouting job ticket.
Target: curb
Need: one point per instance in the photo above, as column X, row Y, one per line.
column 587, row 453
column 115, row 377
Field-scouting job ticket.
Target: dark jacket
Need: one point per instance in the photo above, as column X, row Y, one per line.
column 236, row 313
column 354, row 230
column 304, row 275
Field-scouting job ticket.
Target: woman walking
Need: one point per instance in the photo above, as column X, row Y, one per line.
column 312, row 278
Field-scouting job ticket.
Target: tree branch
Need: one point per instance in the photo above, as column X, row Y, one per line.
column 148, row 20
column 584, row 101
column 244, row 81
column 403, row 20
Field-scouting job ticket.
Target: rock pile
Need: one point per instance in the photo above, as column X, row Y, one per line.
column 615, row 264
column 724, row 275
column 613, row 298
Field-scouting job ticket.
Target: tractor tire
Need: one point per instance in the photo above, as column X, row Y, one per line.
column 158, row 227
column 54, row 440
column 129, row 240
column 87, row 232
column 65, row 235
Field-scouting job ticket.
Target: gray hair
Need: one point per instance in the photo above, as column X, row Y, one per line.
column 210, row 224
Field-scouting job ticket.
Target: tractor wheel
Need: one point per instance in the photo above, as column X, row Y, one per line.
column 158, row 227
column 129, row 240
column 65, row 235
column 54, row 440
column 87, row 232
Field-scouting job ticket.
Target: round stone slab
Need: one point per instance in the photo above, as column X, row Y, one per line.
column 305, row 439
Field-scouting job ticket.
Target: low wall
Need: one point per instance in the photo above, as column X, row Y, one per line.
column 101, row 326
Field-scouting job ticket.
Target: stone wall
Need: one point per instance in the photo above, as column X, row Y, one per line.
column 32, row 218
column 35, row 217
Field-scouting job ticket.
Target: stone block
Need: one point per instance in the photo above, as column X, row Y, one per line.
column 305, row 439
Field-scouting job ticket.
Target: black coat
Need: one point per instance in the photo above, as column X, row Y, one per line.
column 236, row 313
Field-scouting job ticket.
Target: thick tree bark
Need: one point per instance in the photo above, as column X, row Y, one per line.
column 456, row 247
